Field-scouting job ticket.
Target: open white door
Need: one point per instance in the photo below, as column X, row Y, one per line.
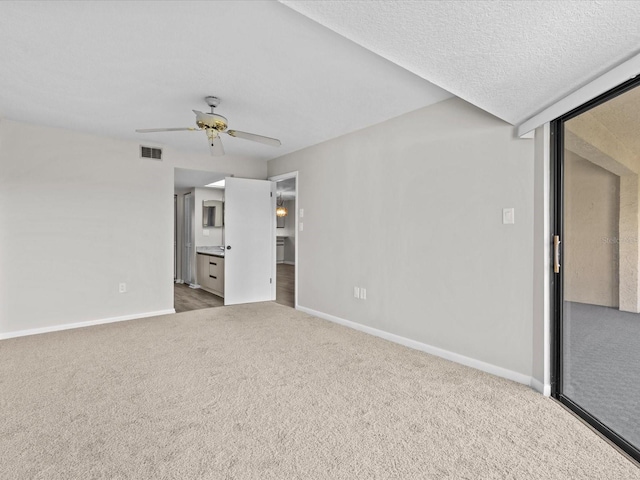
column 249, row 219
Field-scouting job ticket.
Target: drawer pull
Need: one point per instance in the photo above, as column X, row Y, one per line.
column 212, row 263
column 213, row 277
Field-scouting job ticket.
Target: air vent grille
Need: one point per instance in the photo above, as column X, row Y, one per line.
column 150, row 152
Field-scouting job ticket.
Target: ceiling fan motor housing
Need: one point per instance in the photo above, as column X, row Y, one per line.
column 212, row 120
column 212, row 101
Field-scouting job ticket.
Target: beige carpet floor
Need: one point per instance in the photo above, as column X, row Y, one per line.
column 265, row 392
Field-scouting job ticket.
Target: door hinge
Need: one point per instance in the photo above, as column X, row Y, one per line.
column 271, row 280
column 271, row 194
column 556, row 253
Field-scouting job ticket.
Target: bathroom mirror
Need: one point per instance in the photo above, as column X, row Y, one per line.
column 212, row 213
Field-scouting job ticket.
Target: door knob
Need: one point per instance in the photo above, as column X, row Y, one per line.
column 228, row 247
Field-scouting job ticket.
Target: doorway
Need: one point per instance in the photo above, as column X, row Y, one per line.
column 286, row 238
column 192, row 188
column 596, row 259
column 227, row 252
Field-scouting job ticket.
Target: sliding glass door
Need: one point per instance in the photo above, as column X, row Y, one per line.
column 597, row 264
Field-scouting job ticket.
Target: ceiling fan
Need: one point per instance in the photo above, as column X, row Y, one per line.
column 214, row 124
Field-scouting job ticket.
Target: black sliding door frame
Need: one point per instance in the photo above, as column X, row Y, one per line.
column 557, row 205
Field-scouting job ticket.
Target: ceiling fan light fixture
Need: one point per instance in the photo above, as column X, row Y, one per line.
column 211, row 121
column 212, row 134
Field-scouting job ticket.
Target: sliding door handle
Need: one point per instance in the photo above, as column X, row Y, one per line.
column 556, row 253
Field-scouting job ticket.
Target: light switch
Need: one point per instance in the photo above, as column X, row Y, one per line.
column 301, row 226
column 301, row 212
column 508, row 216
column 205, row 233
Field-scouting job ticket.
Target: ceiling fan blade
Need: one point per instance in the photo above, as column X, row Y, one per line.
column 215, row 145
column 151, row 130
column 274, row 142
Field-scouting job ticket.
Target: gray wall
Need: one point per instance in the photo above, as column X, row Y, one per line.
column 591, row 218
column 80, row 214
column 437, row 262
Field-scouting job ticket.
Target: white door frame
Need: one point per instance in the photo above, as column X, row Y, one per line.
column 188, row 272
column 277, row 178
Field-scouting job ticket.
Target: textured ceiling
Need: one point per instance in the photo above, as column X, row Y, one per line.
column 111, row 67
column 510, row 58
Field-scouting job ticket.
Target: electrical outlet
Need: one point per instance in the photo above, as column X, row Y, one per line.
column 301, row 212
column 363, row 293
column 122, row 288
column 356, row 292
column 301, row 226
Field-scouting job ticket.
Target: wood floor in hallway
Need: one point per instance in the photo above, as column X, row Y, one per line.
column 187, row 299
column 285, row 285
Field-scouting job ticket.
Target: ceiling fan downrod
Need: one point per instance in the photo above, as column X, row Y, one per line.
column 212, row 101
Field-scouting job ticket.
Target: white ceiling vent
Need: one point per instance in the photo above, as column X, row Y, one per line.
column 150, row 152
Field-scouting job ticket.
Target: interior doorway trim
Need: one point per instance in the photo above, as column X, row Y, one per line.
column 277, row 178
column 557, row 181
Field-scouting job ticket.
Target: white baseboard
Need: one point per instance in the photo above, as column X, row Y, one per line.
column 69, row 326
column 178, row 280
column 438, row 352
column 194, row 285
column 544, row 389
column 288, row 262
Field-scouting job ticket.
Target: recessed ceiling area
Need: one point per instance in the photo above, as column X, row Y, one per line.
column 185, row 178
column 510, row 58
column 112, row 67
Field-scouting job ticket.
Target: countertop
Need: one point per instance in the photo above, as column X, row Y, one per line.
column 213, row 251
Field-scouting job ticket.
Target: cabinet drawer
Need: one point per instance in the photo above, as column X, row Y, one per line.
column 217, row 285
column 215, row 271
column 216, row 268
